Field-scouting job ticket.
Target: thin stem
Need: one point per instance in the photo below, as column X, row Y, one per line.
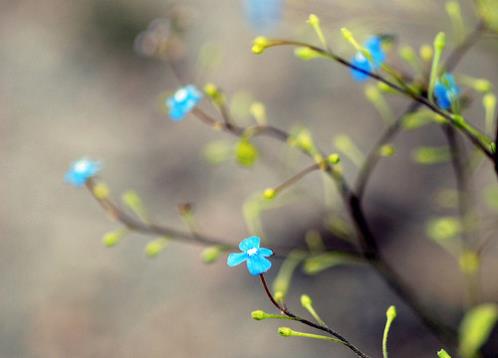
column 295, row 178
column 284, row 310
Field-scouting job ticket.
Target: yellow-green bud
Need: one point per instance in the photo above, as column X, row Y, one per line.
column 306, row 53
column 407, row 53
column 443, row 354
column 258, row 111
column 112, row 238
column 469, row 262
column 440, row 41
column 155, row 247
column 246, row 153
column 482, row 85
column 313, row 20
column 279, row 296
column 372, row 93
column 306, row 301
column 334, row 158
column 101, row 191
column 211, row 90
column 259, row 44
column 211, row 254
column 259, row 315
column 489, row 101
column 391, row 313
column 269, row 193
column 387, row 150
column 426, row 53
column 285, row 331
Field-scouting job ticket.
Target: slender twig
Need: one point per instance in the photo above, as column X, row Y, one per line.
column 469, row 131
column 295, row 178
column 366, row 239
column 391, row 131
column 284, row 310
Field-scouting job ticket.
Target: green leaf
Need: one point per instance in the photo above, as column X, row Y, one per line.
column 318, row 263
column 476, row 327
column 246, row 153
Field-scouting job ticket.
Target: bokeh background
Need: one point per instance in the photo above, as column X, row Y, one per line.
column 73, row 84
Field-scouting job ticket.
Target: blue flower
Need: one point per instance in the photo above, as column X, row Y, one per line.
column 183, row 101
column 263, row 14
column 446, row 91
column 374, row 46
column 255, row 256
column 80, row 171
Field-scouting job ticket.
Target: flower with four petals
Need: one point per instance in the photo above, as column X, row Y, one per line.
column 183, row 101
column 82, row 170
column 374, row 46
column 254, row 256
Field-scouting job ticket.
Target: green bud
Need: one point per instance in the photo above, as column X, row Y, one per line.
column 313, row 20
column 285, row 331
column 407, row 54
column 155, row 247
column 444, row 228
column 112, row 238
column 258, row 111
column 440, row 41
column 306, row 53
column 246, row 153
column 387, row 150
column 426, row 53
column 258, row 315
column 443, row 354
column 211, row 254
column 391, row 313
column 431, row 155
column 306, row 301
column 133, row 201
column 483, row 85
column 213, row 92
column 259, row 44
column 101, row 191
column 269, row 193
column 334, row 158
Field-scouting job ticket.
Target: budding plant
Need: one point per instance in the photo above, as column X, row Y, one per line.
column 436, row 94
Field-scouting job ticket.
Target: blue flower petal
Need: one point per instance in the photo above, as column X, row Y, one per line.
column 263, row 251
column 249, row 243
column 80, row 171
column 258, row 265
column 235, row 259
column 183, row 101
column 440, row 92
column 360, row 61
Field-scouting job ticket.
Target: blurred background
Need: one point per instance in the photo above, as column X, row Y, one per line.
column 75, row 81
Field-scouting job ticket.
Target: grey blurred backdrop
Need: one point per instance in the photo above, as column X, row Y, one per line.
column 72, row 85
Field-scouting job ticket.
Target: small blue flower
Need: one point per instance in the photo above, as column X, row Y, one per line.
column 446, row 91
column 255, row 256
column 263, row 15
column 183, row 101
column 80, row 171
column 374, row 46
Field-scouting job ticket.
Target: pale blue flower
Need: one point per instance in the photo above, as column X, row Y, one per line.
column 82, row 170
column 374, row 46
column 263, row 15
column 254, row 256
column 183, row 101
column 446, row 91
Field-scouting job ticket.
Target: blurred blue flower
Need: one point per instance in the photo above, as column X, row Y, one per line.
column 263, row 15
column 80, row 171
column 374, row 46
column 183, row 101
column 254, row 256
column 446, row 91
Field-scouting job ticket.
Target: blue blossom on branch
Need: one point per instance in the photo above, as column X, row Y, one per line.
column 374, row 46
column 80, row 171
column 263, row 14
column 183, row 101
column 254, row 256
column 446, row 91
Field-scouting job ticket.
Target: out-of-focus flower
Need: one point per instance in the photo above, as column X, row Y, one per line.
column 263, row 15
column 183, row 101
column 254, row 256
column 446, row 91
column 374, row 46
column 80, row 171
